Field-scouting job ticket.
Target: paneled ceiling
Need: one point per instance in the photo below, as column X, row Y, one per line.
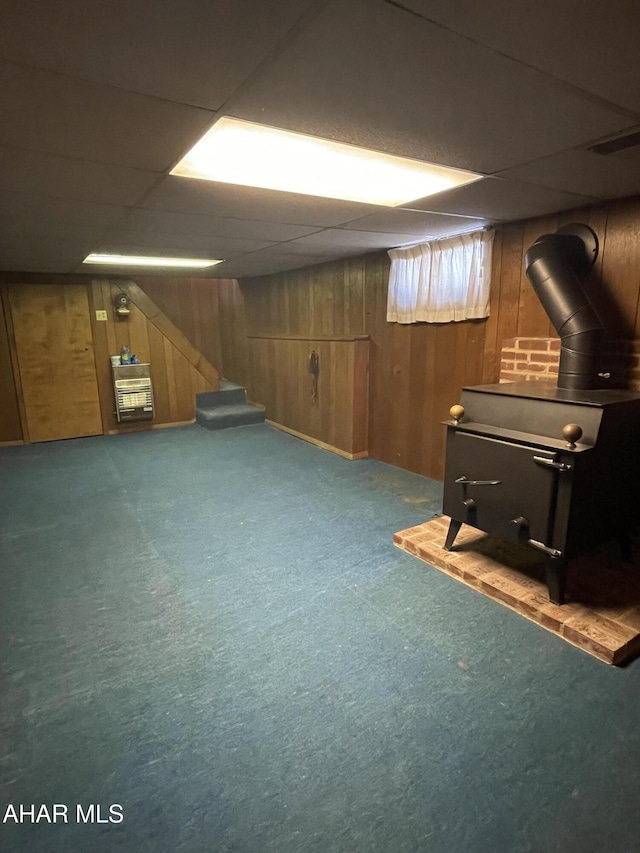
column 101, row 99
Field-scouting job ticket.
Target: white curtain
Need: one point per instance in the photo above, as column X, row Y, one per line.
column 442, row 281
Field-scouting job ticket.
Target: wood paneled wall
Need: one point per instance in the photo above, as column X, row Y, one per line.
column 333, row 410
column 252, row 345
column 193, row 306
column 417, row 371
column 414, row 371
column 178, row 369
column 287, row 316
column 327, row 300
column 210, row 313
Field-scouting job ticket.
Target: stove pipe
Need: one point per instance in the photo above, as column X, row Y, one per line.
column 555, row 263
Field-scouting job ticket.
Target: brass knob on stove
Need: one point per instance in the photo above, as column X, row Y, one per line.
column 457, row 413
column 572, row 433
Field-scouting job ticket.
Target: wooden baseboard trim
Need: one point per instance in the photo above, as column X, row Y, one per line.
column 11, row 443
column 138, row 427
column 345, row 454
column 176, row 424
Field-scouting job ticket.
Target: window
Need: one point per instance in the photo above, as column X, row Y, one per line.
column 441, row 281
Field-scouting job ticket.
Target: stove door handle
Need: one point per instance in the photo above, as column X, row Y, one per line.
column 464, row 481
column 546, row 549
column 551, row 463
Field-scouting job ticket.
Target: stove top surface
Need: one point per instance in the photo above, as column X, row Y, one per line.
column 533, row 390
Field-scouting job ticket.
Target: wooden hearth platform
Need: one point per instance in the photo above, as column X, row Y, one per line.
column 602, row 615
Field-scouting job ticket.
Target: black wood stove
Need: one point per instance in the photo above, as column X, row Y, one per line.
column 554, row 468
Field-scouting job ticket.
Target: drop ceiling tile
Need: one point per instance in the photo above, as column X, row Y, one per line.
column 65, row 177
column 56, row 114
column 27, row 262
column 192, row 51
column 133, row 242
column 253, row 265
column 604, row 176
column 496, row 198
column 41, row 253
column 170, row 222
column 374, row 75
column 416, row 223
column 366, row 241
column 211, row 198
column 593, row 46
column 294, row 248
column 19, row 229
column 58, row 211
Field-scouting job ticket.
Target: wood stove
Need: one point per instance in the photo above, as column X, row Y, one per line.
column 515, row 470
column 554, row 468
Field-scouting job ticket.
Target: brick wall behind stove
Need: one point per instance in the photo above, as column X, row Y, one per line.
column 524, row 359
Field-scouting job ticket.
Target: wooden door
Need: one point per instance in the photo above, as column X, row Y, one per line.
column 54, row 347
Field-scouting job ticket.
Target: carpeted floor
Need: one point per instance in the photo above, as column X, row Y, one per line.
column 215, row 631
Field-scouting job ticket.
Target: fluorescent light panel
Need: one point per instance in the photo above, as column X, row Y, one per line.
column 241, row 152
column 147, row 261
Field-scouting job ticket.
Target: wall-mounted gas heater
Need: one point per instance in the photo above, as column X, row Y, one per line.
column 133, row 392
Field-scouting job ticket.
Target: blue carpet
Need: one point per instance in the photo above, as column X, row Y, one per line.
column 214, row 631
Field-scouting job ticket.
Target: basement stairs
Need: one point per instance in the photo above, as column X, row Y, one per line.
column 226, row 408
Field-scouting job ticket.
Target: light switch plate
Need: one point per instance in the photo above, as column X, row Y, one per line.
column 101, row 315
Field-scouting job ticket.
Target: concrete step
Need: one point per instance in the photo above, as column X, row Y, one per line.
column 228, row 394
column 223, row 409
column 224, row 417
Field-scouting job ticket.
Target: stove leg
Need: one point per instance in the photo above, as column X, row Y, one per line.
column 556, row 579
column 454, row 529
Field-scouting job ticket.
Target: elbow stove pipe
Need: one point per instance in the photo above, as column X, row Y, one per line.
column 554, row 264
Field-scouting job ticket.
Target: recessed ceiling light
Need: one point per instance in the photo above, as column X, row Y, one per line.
column 147, row 261
column 241, row 152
